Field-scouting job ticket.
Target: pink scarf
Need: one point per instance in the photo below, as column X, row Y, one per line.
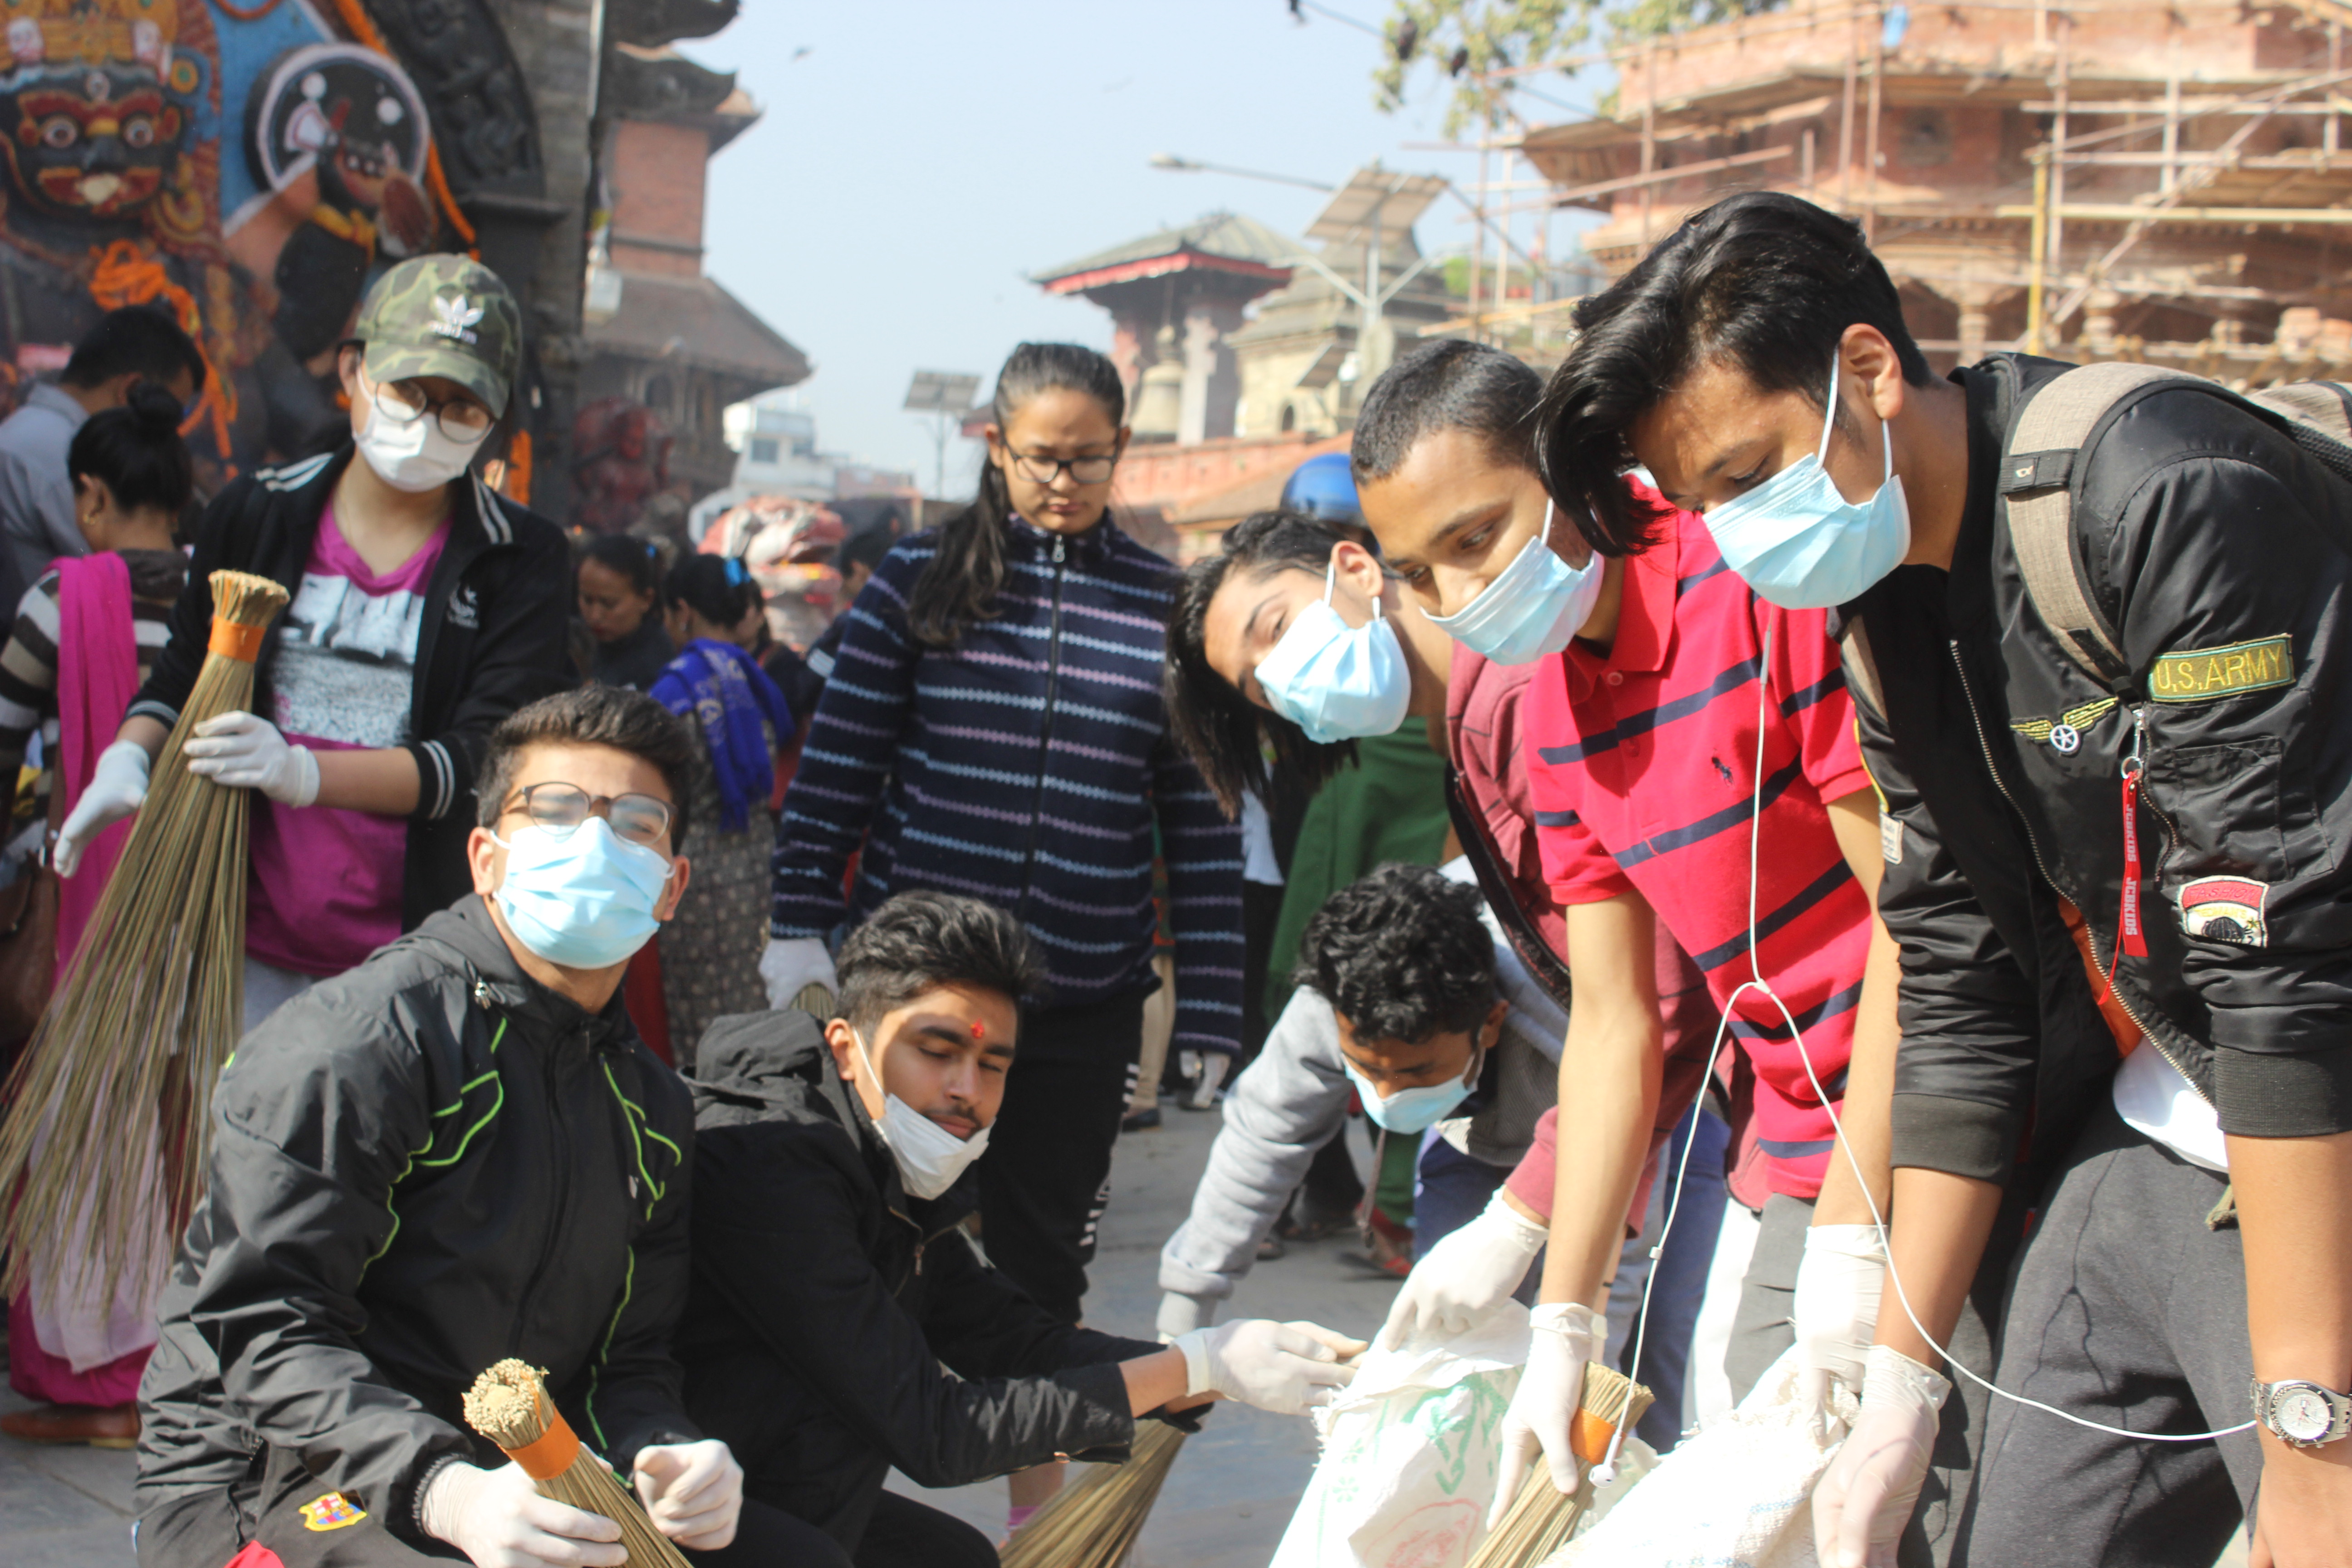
column 97, row 674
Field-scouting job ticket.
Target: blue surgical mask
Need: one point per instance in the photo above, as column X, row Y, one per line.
column 1336, row 681
column 582, row 898
column 1413, row 1109
column 1803, row 546
column 1533, row 608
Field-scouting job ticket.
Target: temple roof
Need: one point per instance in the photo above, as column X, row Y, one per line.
column 696, row 322
column 1221, row 242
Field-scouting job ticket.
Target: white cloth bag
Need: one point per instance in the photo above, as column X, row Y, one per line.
column 1410, row 1455
column 1737, row 1495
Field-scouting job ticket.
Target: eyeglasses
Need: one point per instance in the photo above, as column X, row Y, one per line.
column 460, row 418
column 1043, row 470
column 561, row 807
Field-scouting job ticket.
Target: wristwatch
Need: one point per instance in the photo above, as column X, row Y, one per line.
column 2304, row 1414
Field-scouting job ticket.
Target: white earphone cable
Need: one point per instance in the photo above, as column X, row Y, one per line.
column 1606, row 1471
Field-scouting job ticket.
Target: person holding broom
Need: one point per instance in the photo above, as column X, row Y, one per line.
column 84, row 635
column 839, row 1324
column 458, row 1152
column 425, row 609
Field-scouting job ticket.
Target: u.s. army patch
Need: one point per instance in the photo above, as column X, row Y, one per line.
column 331, row 1511
column 2226, row 908
column 2197, row 675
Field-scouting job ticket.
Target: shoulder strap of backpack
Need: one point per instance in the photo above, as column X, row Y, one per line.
column 2037, row 482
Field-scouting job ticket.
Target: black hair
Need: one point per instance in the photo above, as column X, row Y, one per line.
column 718, row 588
column 960, row 584
column 134, row 340
column 1764, row 281
column 1402, row 955
column 1223, row 731
column 137, row 450
column 918, row 942
column 590, row 715
column 638, row 560
column 1449, row 383
column 864, row 548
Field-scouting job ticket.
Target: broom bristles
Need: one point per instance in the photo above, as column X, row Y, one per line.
column 1542, row 1516
column 1094, row 1521
column 508, row 1405
column 102, row 1151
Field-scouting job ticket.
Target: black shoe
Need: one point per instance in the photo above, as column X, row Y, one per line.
column 1142, row 1121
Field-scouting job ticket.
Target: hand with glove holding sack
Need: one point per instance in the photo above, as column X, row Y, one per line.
column 1866, row 1497
column 1836, row 1309
column 1287, row 1368
column 1465, row 1277
column 1543, row 1412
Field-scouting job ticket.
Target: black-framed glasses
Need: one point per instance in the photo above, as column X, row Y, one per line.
column 559, row 807
column 460, row 418
column 1043, row 470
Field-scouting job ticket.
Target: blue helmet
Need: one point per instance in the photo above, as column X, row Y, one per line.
column 1322, row 487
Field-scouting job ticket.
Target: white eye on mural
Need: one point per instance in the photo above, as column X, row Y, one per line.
column 388, row 110
column 59, row 132
column 314, row 86
column 139, row 132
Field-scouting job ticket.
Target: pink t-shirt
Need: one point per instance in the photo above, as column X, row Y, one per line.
column 326, row 886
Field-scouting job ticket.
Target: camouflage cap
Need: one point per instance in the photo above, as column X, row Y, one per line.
column 447, row 316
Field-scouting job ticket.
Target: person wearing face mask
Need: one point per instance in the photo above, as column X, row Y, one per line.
column 1235, row 612
column 1641, row 747
column 425, row 609
column 2116, row 846
column 458, row 1152
column 840, row 1323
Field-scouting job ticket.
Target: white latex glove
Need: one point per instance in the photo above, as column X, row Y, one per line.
column 1466, row 1276
column 692, row 1491
column 1287, row 1368
column 791, row 962
column 1180, row 1314
column 1836, row 1313
column 1543, row 1412
column 118, row 786
column 1207, row 1069
column 1865, row 1497
column 498, row 1519
column 244, row 751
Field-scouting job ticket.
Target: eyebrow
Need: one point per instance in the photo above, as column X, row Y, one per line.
column 1421, row 1067
column 1250, row 631
column 1484, row 511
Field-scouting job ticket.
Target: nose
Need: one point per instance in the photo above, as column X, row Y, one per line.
column 105, row 156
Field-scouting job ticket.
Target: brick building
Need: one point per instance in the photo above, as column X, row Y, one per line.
column 2160, row 182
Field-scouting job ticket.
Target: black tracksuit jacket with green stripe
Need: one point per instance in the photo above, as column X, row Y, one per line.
column 419, row 1168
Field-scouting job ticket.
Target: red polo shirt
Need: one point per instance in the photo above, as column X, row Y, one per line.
column 1642, row 772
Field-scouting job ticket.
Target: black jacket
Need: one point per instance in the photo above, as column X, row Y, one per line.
column 824, row 1300
column 419, row 1168
column 494, row 638
column 2198, row 528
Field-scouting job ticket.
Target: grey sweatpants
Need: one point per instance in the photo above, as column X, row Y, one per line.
column 1762, row 1330
column 2126, row 1309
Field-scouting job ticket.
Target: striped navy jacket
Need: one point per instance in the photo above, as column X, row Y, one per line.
column 1027, row 766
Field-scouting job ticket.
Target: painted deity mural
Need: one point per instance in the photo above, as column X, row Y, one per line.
column 247, row 166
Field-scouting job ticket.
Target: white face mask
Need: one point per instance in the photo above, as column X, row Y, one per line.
column 929, row 1157
column 415, row 457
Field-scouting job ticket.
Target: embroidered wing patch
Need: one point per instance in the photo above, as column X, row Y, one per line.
column 2064, row 733
column 332, row 1511
column 2226, row 908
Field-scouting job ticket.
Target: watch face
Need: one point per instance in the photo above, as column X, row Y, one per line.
column 2302, row 1415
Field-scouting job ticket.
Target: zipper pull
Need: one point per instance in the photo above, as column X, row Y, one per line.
column 2130, row 940
column 919, row 1258
column 1057, row 550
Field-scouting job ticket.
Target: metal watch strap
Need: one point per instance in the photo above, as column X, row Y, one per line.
column 2265, row 1397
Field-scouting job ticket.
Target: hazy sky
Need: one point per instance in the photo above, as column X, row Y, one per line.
column 921, row 158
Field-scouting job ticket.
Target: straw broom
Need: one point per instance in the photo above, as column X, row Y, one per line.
column 1542, row 1516
column 1093, row 1521
column 508, row 1405
column 104, row 1145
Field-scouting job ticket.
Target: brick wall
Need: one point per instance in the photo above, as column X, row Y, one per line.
column 658, row 178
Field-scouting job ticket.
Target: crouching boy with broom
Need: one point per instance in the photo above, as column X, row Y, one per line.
column 458, row 1152
column 832, row 1283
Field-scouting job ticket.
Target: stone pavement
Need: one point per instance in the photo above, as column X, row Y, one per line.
column 1225, row 1503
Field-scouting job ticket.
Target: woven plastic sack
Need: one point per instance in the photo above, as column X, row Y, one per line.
column 1410, row 1455
column 1737, row 1495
